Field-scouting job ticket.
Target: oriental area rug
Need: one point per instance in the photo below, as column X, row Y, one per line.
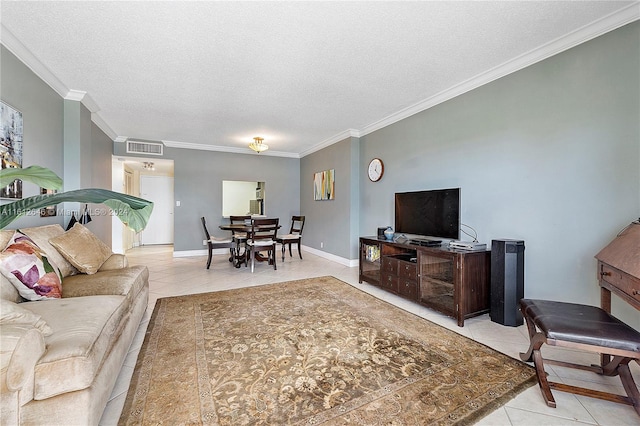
column 311, row 352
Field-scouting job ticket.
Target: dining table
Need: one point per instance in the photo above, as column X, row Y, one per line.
column 239, row 255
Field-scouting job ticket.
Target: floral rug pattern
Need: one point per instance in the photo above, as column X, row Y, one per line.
column 314, row 351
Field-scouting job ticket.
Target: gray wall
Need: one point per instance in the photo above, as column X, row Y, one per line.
column 45, row 123
column 101, row 150
column 42, row 114
column 549, row 154
column 332, row 222
column 198, row 187
column 198, row 177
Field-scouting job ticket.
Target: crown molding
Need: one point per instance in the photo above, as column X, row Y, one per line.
column 99, row 121
column 16, row 47
column 349, row 133
column 218, row 148
column 595, row 29
column 120, row 139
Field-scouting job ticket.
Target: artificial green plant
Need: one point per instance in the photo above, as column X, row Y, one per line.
column 134, row 212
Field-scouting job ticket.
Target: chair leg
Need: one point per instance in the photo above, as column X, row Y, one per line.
column 290, row 255
column 253, row 258
column 210, row 255
column 283, row 249
column 273, row 255
column 299, row 252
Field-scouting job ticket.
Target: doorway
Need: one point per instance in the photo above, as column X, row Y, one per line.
column 158, row 189
column 128, row 174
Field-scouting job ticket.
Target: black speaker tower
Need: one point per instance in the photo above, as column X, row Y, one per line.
column 507, row 281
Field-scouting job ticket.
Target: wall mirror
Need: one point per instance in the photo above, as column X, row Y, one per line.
column 241, row 198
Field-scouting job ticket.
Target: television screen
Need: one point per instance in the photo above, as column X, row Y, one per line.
column 434, row 213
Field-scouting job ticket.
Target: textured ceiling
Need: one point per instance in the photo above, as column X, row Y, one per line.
column 299, row 74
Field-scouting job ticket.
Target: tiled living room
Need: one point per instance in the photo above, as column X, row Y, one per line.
column 330, row 110
column 178, row 276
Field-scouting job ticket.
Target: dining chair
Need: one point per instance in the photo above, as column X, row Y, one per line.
column 240, row 237
column 294, row 236
column 215, row 243
column 262, row 237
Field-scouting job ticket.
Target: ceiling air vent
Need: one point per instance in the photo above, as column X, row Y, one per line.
column 138, row 147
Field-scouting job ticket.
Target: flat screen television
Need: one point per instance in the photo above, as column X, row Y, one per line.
column 434, row 213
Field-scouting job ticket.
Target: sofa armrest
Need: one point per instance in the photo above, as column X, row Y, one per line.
column 115, row 261
column 21, row 346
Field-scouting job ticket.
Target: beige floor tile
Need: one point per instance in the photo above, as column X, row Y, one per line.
column 171, row 276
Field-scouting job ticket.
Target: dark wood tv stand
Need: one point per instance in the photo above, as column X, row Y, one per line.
column 454, row 282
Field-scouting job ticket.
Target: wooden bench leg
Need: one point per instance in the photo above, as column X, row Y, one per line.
column 534, row 354
column 537, row 339
column 629, row 384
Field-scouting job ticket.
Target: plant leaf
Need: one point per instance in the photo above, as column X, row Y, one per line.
column 35, row 174
column 134, row 212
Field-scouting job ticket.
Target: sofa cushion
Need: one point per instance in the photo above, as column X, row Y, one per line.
column 84, row 329
column 41, row 236
column 13, row 313
column 82, row 248
column 123, row 282
column 115, row 261
column 29, row 269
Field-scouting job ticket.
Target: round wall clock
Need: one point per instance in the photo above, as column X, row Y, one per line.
column 376, row 170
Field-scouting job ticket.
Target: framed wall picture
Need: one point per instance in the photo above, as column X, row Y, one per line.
column 49, row 210
column 11, row 147
column 324, row 185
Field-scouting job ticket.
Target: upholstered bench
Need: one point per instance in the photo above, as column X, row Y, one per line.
column 587, row 328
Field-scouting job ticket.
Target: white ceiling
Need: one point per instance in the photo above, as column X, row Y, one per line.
column 303, row 75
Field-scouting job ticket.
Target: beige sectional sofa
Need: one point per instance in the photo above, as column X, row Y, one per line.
column 60, row 357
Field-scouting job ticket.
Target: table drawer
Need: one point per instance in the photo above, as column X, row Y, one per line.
column 624, row 282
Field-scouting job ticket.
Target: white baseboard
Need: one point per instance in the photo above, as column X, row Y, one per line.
column 341, row 260
column 190, row 253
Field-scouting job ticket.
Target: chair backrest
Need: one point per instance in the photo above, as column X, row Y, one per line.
column 239, row 219
column 297, row 224
column 264, row 229
column 204, row 225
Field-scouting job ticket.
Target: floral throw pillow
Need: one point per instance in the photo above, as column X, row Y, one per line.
column 27, row 267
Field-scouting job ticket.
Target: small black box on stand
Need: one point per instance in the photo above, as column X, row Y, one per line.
column 507, row 281
column 381, row 231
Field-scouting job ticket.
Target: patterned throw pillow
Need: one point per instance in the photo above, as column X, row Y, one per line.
column 29, row 270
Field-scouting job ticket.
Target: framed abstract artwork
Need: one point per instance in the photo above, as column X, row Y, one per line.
column 11, row 147
column 324, row 185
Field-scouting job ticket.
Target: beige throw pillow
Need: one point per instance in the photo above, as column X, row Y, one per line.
column 82, row 249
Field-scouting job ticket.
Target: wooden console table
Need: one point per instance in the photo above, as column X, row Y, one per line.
column 452, row 281
column 619, row 271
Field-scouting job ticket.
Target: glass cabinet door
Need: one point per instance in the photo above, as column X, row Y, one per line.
column 370, row 262
column 437, row 279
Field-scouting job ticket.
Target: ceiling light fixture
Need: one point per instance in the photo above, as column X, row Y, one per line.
column 148, row 166
column 257, row 145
